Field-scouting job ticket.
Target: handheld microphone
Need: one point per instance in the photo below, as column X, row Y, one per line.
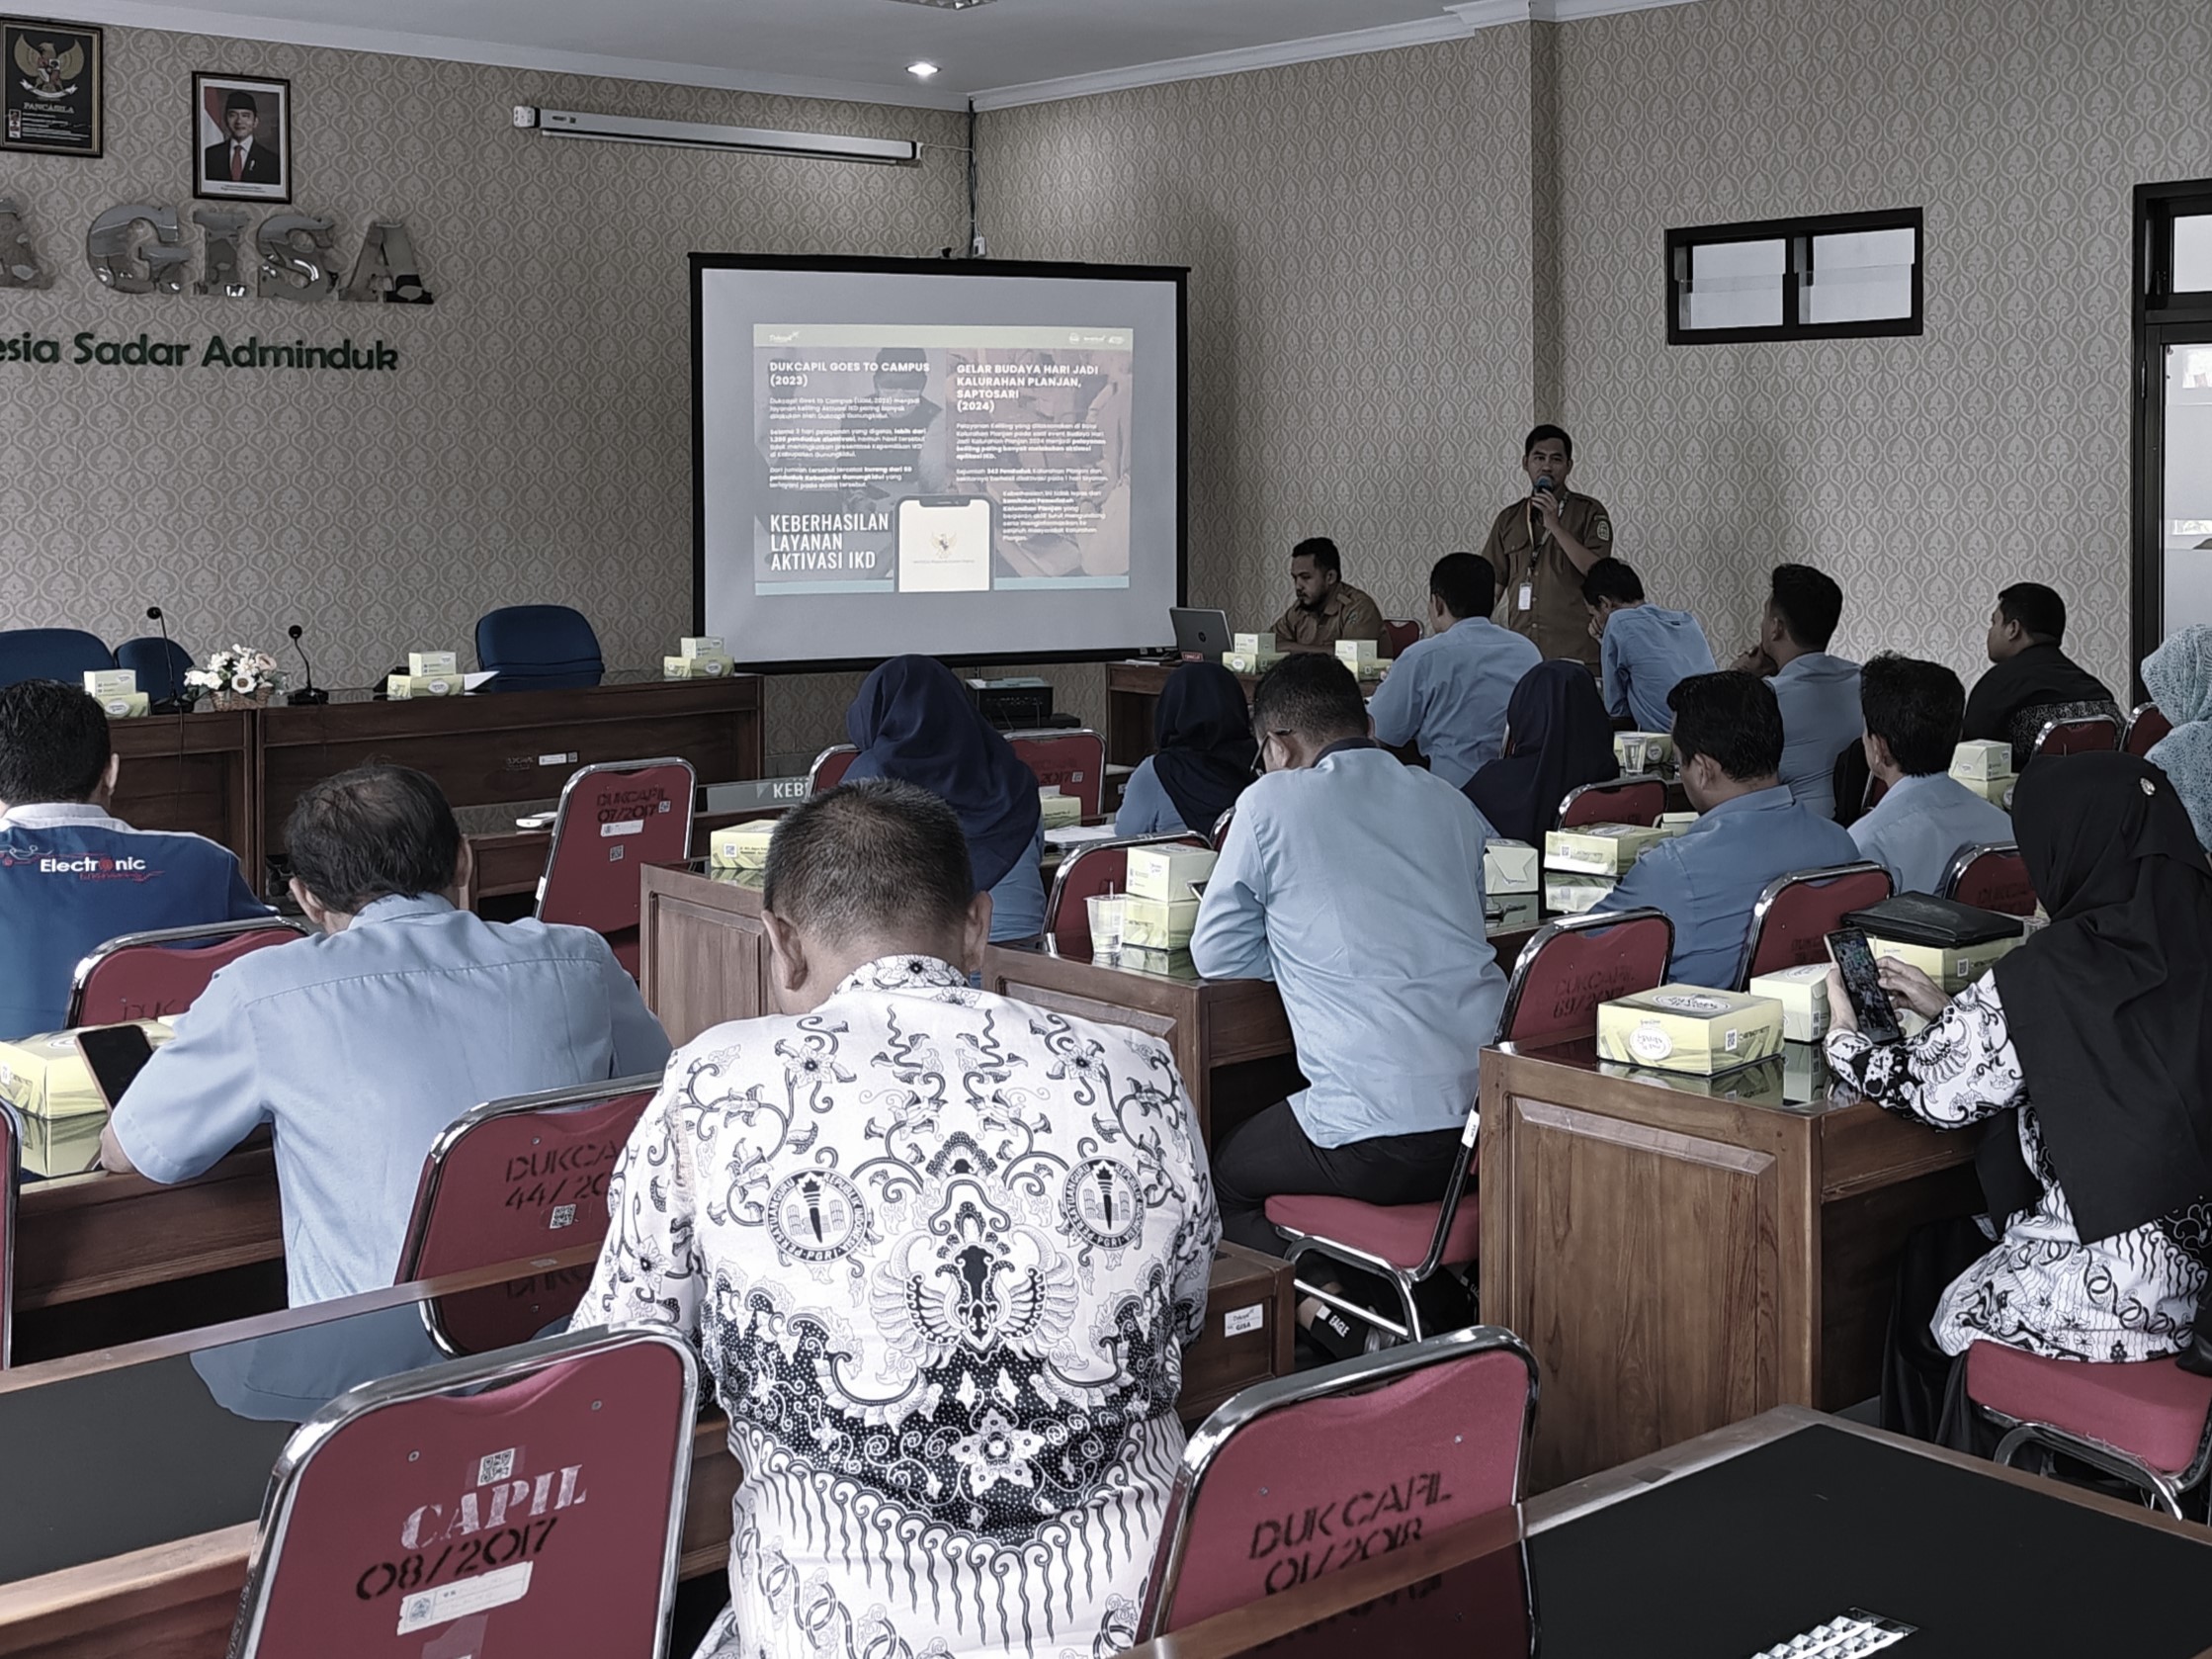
column 307, row 697
column 174, row 701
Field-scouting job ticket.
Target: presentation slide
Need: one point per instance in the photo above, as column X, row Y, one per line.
column 968, row 460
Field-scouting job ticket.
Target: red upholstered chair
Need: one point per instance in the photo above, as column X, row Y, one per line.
column 1990, row 878
column 2089, row 733
column 1794, row 917
column 1631, row 800
column 1220, row 834
column 1092, row 869
column 158, row 975
column 830, row 768
column 614, row 821
column 2146, row 725
column 1454, row 1408
column 1070, row 761
column 445, row 1511
column 2147, row 1422
column 507, row 1180
column 1398, row 635
column 1401, row 1244
column 1571, row 965
column 11, row 1148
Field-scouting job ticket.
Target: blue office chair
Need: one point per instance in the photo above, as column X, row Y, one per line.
column 537, row 647
column 160, row 664
column 51, row 653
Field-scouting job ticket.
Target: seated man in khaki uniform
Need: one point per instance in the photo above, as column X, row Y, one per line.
column 1542, row 546
column 1326, row 608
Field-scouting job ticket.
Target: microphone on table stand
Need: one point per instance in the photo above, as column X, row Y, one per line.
column 179, row 698
column 307, row 697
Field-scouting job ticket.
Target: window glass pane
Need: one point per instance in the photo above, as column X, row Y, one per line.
column 2193, row 254
column 2185, row 515
column 1859, row 275
column 1735, row 285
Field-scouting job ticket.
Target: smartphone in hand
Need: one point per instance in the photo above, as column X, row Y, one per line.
column 1854, row 956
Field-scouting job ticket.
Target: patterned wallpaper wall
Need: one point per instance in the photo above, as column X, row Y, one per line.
column 1360, row 308
column 1922, row 473
column 536, row 440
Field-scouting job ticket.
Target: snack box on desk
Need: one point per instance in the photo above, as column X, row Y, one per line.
column 1598, row 849
column 740, row 847
column 1689, row 1028
column 125, row 705
column 422, row 665
column 398, row 686
column 1159, row 924
column 1673, row 824
column 1167, row 872
column 701, row 644
column 1060, row 811
column 1250, row 661
column 697, row 668
column 1953, row 944
column 1510, row 867
column 1576, row 895
column 46, row 1079
column 1641, row 751
column 1357, row 654
column 1981, row 760
column 1142, row 959
column 1803, row 994
column 1255, row 644
column 104, row 683
column 1996, row 791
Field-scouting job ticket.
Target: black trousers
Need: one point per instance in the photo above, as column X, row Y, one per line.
column 1923, row 1389
column 1270, row 1154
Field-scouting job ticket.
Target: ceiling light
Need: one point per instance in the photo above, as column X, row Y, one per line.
column 921, row 71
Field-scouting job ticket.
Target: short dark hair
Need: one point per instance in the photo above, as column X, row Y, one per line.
column 1468, row 585
column 869, row 859
column 1323, row 551
column 1610, row 578
column 1916, row 708
column 1808, row 603
column 1539, row 434
column 2039, row 611
column 377, row 832
column 1731, row 719
column 53, row 744
column 1312, row 694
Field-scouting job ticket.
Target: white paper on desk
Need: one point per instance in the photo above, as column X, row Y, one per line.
column 474, row 682
column 1075, row 833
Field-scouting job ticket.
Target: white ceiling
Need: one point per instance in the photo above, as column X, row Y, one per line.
column 849, row 48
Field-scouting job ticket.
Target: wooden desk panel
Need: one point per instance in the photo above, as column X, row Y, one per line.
column 94, row 1235
column 703, row 955
column 1678, row 1262
column 196, row 772
column 489, row 750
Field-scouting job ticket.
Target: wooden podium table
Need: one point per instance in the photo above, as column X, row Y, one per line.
column 199, row 772
column 1681, row 1252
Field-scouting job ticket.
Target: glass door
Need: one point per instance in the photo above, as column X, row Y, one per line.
column 2182, row 474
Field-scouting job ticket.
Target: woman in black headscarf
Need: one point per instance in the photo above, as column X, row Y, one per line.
column 912, row 722
column 1557, row 738
column 1202, row 759
column 2089, row 1044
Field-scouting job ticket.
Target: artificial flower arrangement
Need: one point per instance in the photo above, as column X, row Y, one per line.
column 238, row 677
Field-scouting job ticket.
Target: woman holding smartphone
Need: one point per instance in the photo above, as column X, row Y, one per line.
column 2090, row 1044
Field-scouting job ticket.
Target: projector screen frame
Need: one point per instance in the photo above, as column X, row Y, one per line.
column 868, row 264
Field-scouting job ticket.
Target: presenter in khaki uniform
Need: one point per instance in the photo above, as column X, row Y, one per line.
column 1540, row 548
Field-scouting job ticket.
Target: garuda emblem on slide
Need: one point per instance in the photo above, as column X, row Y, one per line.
column 52, row 73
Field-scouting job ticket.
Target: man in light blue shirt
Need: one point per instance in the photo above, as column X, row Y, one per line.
column 72, row 875
column 1356, row 885
column 1645, row 652
column 1449, row 691
column 1914, row 712
column 1819, row 693
column 1728, row 736
column 362, row 1044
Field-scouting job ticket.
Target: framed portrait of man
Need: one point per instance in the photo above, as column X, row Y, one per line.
column 241, row 148
column 50, row 102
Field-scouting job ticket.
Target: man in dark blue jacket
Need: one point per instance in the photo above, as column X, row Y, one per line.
column 71, row 876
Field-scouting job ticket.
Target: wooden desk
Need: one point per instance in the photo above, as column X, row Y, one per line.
column 1679, row 1260
column 703, row 957
column 1131, row 700
column 490, row 749
column 93, row 1235
column 199, row 772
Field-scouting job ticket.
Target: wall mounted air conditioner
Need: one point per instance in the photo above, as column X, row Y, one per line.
column 689, row 135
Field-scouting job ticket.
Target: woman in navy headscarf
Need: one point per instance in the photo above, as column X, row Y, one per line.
column 912, row 722
column 1202, row 759
column 1556, row 737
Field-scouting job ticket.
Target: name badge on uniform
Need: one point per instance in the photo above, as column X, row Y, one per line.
column 1528, row 595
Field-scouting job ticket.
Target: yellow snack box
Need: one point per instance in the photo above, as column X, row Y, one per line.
column 125, row 705
column 398, row 686
column 1673, row 824
column 1641, row 751
column 701, row 644
column 1250, row 661
column 422, row 663
column 1996, row 791
column 696, row 667
column 1598, row 849
column 1060, row 811
column 1981, row 760
column 1803, row 994
column 1953, row 966
column 1575, row 895
column 1166, row 872
column 46, row 1079
column 1254, row 644
column 1510, row 867
column 104, row 683
column 1689, row 1028
column 1357, row 654
column 1159, row 924
column 741, row 846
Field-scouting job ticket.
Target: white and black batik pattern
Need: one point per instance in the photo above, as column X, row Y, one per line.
column 941, row 1252
column 2129, row 1297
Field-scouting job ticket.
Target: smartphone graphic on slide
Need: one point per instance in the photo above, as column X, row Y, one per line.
column 944, row 543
